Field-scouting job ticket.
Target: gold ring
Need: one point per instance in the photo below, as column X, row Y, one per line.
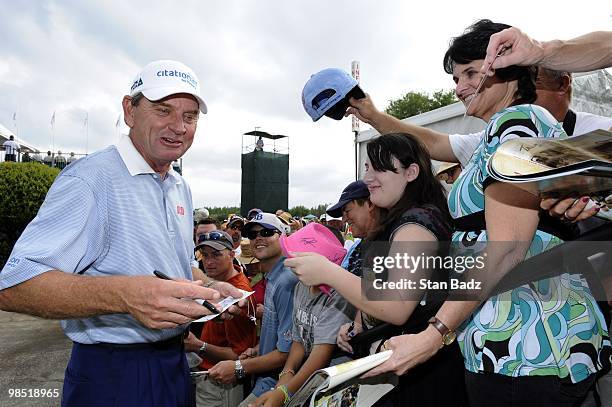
column 384, row 346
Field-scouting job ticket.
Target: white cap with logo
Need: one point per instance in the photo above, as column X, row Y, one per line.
column 166, row 77
column 268, row 221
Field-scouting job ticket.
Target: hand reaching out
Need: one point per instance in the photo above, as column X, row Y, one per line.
column 311, row 269
column 249, row 353
column 364, row 109
column 223, row 372
column 408, row 351
column 520, row 50
column 273, row 398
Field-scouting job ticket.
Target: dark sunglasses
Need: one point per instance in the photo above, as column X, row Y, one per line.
column 252, row 234
column 236, row 226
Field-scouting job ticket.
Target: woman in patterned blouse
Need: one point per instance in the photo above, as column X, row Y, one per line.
column 541, row 343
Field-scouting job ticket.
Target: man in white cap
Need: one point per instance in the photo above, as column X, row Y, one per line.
column 334, row 222
column 124, row 213
column 234, row 229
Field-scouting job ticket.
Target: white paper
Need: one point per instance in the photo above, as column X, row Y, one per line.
column 193, row 360
column 224, row 304
column 198, row 373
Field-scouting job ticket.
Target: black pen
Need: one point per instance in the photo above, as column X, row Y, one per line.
column 350, row 330
column 206, row 304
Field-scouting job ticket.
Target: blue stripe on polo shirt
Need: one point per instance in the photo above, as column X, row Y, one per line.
column 100, row 220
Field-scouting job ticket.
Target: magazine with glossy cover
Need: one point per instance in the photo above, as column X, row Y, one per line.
column 551, row 167
column 340, row 385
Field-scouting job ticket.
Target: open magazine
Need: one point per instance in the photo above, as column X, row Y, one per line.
column 340, row 385
column 579, row 165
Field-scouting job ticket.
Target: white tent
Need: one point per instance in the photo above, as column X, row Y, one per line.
column 6, row 133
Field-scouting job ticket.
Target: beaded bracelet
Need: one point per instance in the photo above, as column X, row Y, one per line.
column 283, row 388
column 284, row 372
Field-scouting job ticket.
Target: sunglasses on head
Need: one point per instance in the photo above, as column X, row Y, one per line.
column 252, row 234
column 214, row 235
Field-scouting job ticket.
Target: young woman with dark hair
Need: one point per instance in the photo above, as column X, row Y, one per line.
column 413, row 218
column 384, row 154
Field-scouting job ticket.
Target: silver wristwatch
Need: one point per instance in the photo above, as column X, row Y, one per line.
column 238, row 370
column 202, row 350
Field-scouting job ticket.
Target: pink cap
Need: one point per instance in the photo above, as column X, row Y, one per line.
column 314, row 238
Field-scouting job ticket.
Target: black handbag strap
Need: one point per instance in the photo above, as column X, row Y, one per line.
column 569, row 122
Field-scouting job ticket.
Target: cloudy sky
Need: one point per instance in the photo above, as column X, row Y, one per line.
column 79, row 58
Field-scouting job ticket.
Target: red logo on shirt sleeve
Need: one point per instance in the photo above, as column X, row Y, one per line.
column 180, row 210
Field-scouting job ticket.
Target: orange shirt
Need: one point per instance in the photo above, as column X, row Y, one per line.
column 239, row 333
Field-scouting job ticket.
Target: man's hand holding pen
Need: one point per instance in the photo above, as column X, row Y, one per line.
column 205, row 303
column 160, row 304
